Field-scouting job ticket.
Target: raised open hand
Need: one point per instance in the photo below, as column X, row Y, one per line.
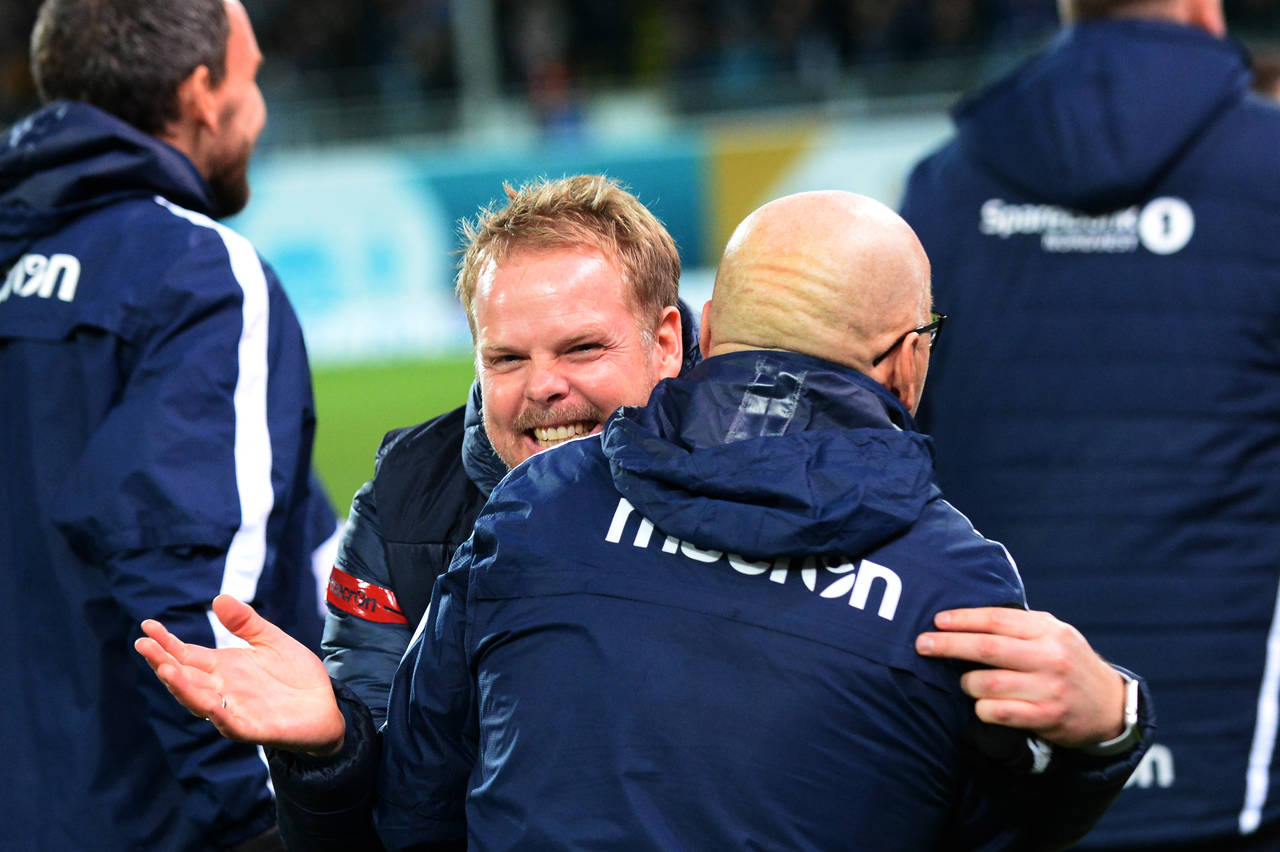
column 274, row 692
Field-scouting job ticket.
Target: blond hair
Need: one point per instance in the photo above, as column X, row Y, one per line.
column 584, row 210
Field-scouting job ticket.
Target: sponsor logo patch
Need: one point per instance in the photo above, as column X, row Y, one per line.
column 862, row 585
column 363, row 599
column 35, row 275
column 1155, row 770
column 1163, row 226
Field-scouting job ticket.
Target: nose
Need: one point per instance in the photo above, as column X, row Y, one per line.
column 546, row 382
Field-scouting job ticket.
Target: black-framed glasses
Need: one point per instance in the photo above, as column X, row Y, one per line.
column 933, row 328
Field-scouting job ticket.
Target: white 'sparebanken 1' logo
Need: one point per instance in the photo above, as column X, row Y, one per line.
column 1162, row 226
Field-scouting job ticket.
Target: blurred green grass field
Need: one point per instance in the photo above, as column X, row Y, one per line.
column 356, row 405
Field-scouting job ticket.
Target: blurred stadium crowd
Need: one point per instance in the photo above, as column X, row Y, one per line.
column 706, row 54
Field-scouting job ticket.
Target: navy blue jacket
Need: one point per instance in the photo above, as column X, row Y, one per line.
column 156, row 445
column 1105, row 231
column 696, row 631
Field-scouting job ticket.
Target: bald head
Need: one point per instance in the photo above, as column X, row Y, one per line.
column 829, row 274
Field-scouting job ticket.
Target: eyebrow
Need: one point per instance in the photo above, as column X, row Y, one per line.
column 593, row 335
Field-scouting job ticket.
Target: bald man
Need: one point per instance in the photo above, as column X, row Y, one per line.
column 698, row 629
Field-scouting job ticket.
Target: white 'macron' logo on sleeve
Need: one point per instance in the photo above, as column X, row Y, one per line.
column 855, row 581
column 1155, row 770
column 37, row 275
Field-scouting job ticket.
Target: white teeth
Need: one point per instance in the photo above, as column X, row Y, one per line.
column 549, row 436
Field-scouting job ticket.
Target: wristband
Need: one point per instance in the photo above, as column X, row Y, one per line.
column 1131, row 735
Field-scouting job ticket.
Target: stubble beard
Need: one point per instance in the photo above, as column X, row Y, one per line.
column 532, row 418
column 229, row 182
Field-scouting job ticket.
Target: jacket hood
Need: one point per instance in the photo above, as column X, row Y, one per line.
column 1095, row 121
column 70, row 158
column 481, row 461
column 689, row 335
column 762, row 453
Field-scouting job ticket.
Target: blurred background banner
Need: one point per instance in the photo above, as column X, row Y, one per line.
column 365, row 238
column 390, row 120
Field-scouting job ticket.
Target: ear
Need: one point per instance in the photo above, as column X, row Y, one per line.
column 704, row 329
column 903, row 372
column 197, row 104
column 1208, row 16
column 669, row 344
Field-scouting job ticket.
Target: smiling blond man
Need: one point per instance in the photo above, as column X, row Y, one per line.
column 571, row 293
column 570, row 290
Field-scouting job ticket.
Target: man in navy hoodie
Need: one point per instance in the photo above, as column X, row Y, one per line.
column 157, row 428
column 1107, row 403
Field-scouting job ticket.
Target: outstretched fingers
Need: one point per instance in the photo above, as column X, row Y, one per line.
column 179, row 652
column 194, row 689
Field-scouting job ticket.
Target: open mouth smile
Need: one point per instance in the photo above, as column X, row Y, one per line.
column 550, row 436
